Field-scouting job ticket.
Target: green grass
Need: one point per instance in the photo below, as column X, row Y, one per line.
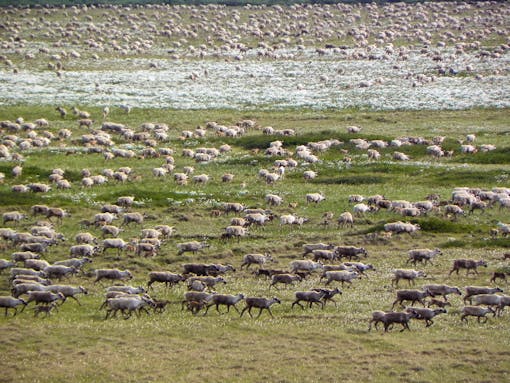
column 439, row 225
column 498, row 156
column 77, row 344
column 479, row 243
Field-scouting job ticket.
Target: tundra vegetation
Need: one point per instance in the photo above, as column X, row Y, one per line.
column 107, row 152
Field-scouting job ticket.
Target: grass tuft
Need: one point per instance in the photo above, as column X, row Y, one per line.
column 438, row 225
column 352, row 180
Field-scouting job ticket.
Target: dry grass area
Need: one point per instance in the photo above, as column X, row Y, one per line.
column 297, row 347
column 291, row 348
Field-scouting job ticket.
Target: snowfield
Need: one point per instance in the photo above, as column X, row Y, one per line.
column 303, row 81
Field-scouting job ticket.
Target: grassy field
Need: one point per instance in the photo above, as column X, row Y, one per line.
column 313, row 345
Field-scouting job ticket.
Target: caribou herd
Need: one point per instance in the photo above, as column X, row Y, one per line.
column 32, row 278
column 30, row 242
column 43, row 245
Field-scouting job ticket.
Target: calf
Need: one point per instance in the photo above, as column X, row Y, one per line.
column 426, row 314
column 498, row 275
column 328, row 294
